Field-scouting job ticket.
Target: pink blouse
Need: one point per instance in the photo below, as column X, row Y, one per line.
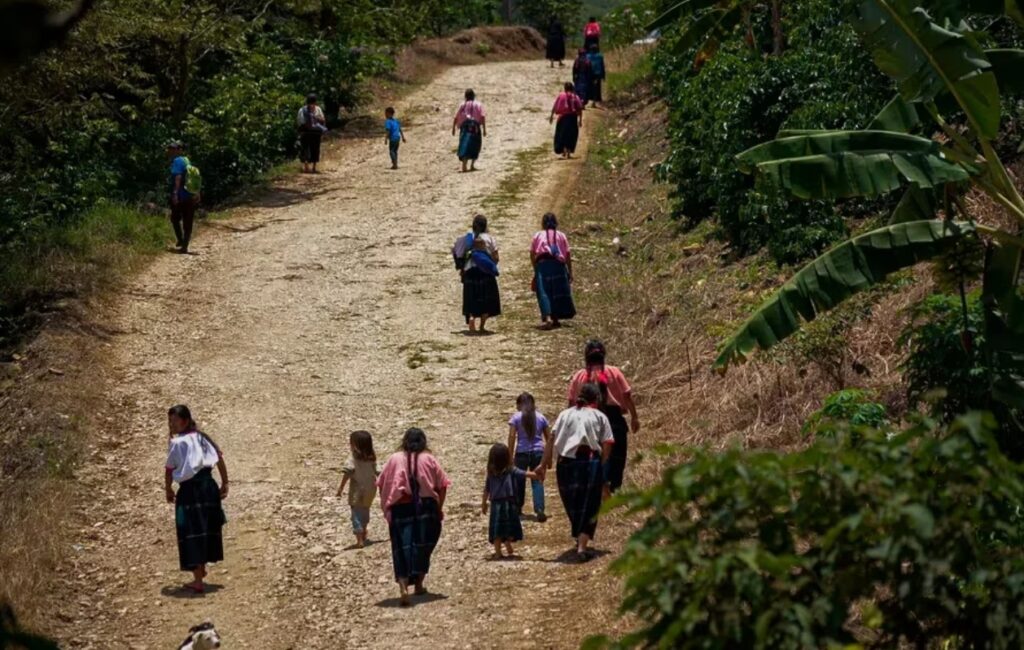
column 473, row 110
column 618, row 387
column 546, row 240
column 568, row 104
column 394, row 480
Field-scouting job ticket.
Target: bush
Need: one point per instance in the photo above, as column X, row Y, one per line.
column 739, row 99
column 912, row 540
column 846, row 411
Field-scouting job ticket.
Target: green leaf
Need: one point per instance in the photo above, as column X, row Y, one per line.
column 1008, row 66
column 1004, row 323
column 679, row 11
column 841, row 164
column 916, row 205
column 849, row 268
column 897, row 116
column 713, row 24
column 927, row 59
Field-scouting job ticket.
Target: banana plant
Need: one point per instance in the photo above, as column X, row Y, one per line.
column 709, row 22
column 940, row 70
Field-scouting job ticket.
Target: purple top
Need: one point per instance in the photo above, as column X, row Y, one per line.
column 503, row 487
column 524, row 444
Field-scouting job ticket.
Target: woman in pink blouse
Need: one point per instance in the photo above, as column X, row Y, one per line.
column 552, row 268
column 413, row 488
column 471, row 122
column 568, row 109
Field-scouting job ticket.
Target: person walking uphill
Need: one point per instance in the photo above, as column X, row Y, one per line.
column 471, row 124
column 591, row 33
column 528, row 436
column 396, row 136
column 568, row 108
column 198, row 514
column 555, row 50
column 581, row 74
column 312, row 125
column 504, row 488
column 617, row 396
column 413, row 487
column 552, row 267
column 583, row 441
column 183, row 202
column 476, row 258
column 597, row 75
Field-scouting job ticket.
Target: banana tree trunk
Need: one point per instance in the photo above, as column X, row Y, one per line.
column 778, row 39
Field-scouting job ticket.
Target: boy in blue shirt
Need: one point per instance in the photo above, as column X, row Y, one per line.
column 183, row 204
column 395, row 135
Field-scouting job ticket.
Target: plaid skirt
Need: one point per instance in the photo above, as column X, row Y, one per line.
column 554, row 293
column 505, row 525
column 580, row 485
column 567, row 134
column 480, row 294
column 470, row 140
column 199, row 518
column 617, row 460
column 413, row 538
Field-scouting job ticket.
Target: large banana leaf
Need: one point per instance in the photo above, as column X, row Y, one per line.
column 916, row 205
column 850, row 267
column 898, row 116
column 842, row 164
column 927, row 60
column 679, row 11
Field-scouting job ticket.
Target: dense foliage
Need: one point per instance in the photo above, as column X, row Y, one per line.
column 880, row 540
column 740, row 97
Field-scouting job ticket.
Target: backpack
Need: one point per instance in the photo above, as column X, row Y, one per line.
column 193, row 178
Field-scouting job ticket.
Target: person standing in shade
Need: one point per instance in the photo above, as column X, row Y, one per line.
column 617, row 397
column 568, row 109
column 476, row 258
column 312, row 125
column 591, row 33
column 198, row 514
column 471, row 124
column 552, row 266
column 597, row 75
column 581, row 73
column 528, row 436
column 413, row 488
column 183, row 203
column 395, row 135
column 555, row 50
column 583, row 441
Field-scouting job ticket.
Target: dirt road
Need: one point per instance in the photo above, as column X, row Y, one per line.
column 330, row 307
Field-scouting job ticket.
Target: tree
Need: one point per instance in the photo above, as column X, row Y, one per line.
column 540, row 12
column 709, row 22
column 940, row 68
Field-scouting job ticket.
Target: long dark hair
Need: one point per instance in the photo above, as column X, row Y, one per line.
column 362, row 445
column 182, row 412
column 594, row 354
column 589, row 394
column 499, row 460
column 549, row 221
column 528, row 407
column 470, row 95
column 414, row 441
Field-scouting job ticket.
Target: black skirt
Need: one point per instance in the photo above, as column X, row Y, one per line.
column 556, row 48
column 567, row 134
column 309, row 146
column 580, row 482
column 480, row 295
column 617, row 460
column 199, row 518
column 594, row 90
column 414, row 536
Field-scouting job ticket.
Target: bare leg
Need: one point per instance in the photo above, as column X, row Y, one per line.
column 582, row 543
column 472, row 324
column 497, row 550
column 464, row 165
column 420, row 589
column 508, row 547
column 483, row 322
column 403, row 592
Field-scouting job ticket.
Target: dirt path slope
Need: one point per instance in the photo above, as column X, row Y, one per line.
column 333, row 307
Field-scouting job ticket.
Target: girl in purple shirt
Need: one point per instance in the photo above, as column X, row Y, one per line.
column 528, row 434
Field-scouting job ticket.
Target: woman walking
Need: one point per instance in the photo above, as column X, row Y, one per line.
column 471, row 123
column 528, row 436
column 198, row 515
column 552, row 267
column 581, row 72
column 617, row 397
column 476, row 258
column 582, row 444
column 597, row 75
column 413, row 488
column 556, row 43
column 568, row 109
column 311, row 124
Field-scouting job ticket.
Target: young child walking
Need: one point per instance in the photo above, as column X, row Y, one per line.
column 396, row 136
column 361, row 473
column 505, row 488
column 528, row 435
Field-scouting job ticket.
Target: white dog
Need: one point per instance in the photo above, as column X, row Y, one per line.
column 201, row 637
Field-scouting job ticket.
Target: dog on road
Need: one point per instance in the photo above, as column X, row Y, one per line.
column 201, row 637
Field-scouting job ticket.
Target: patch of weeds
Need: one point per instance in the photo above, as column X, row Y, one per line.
column 513, row 187
column 483, row 48
column 627, row 79
column 416, row 360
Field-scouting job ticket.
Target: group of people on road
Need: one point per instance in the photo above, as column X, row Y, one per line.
column 586, row 445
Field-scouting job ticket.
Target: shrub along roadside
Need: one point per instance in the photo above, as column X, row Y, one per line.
column 911, row 539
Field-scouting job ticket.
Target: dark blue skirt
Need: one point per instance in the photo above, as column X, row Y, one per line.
column 505, row 525
column 199, row 518
column 413, row 538
column 620, row 450
column 470, row 140
column 480, row 296
column 567, row 134
column 580, row 482
column 554, row 293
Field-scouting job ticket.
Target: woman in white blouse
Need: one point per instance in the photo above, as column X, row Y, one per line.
column 198, row 515
column 582, row 443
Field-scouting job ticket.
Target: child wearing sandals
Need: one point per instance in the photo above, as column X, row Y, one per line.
column 361, row 472
column 505, row 488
